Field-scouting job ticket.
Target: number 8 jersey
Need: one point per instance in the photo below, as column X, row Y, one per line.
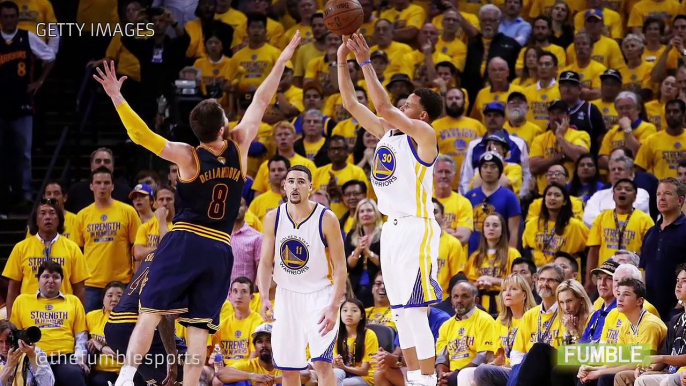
column 212, row 197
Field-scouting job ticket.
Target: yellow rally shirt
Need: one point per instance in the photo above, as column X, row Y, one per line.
column 235, row 336
column 605, row 233
column 546, row 146
column 660, row 154
column 380, row 315
column 321, row 178
column 461, row 340
column 95, row 321
column 614, row 139
column 253, row 366
column 534, row 323
column 371, row 347
column 545, row 245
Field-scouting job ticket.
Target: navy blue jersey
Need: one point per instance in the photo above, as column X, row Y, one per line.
column 211, row 199
column 126, row 311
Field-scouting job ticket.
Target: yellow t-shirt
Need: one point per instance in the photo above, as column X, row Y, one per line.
column 488, row 268
column 606, row 51
column 524, row 83
column 32, row 12
column 660, row 154
column 347, row 129
column 317, row 69
column 655, row 110
column 539, row 99
column 380, row 315
column 127, row 64
column 614, row 25
column 541, row 7
column 605, row 233
column 487, row 95
column 232, row 17
column 321, row 178
column 456, row 49
column 527, row 132
column 196, row 46
column 213, row 73
column 504, row 337
column 95, row 322
column 371, row 347
column 255, row 306
column 572, row 240
column 577, row 208
column 306, row 35
column 554, row 49
column 253, row 220
column 27, row 255
column 454, row 135
column 533, row 323
column 414, row 64
column 106, row 236
column 305, row 54
column 59, row 319
column 180, row 332
column 653, row 56
column 609, row 112
column 312, row 148
column 265, row 202
column 253, row 366
column 615, row 319
column 275, row 33
column 256, row 62
column 261, row 183
column 651, row 330
column 590, row 75
column 461, row 340
column 458, row 211
column 665, row 10
column 614, row 139
column 235, row 336
column 412, row 16
column 638, row 78
column 69, row 225
column 451, row 261
column 546, row 146
column 395, row 51
column 148, row 234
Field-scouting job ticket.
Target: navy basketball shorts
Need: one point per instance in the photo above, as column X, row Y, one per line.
column 190, row 276
column 153, row 365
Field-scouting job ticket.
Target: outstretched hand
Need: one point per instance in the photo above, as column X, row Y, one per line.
column 358, row 45
column 109, row 80
column 288, row 52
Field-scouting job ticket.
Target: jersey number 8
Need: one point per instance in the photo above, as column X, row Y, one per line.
column 217, row 208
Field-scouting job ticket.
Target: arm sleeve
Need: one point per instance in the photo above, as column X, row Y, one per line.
column 138, row 131
column 40, row 49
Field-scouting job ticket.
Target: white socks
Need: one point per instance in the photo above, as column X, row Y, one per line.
column 126, row 375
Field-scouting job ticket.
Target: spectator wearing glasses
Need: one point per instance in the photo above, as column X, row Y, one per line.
column 380, row 312
column 556, row 173
column 45, row 244
column 313, row 145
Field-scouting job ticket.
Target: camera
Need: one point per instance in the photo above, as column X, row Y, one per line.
column 30, row 336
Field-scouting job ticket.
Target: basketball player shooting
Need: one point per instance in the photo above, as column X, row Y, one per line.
column 297, row 234
column 192, row 267
column 402, row 176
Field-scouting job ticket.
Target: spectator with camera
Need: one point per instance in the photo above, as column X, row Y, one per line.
column 22, row 363
column 62, row 321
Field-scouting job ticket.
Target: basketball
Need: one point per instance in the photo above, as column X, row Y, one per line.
column 343, row 17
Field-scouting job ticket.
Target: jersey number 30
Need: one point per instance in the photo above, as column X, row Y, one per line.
column 217, row 208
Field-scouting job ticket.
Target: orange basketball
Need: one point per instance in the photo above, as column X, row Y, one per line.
column 343, row 17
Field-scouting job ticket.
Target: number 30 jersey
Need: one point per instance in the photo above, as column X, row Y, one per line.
column 402, row 182
column 212, row 197
column 301, row 263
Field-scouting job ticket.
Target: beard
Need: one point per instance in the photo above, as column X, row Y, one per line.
column 454, row 110
column 545, row 292
column 266, row 357
column 516, row 114
column 674, row 122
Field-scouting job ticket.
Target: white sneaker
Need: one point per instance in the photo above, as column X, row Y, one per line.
column 126, row 383
column 429, row 380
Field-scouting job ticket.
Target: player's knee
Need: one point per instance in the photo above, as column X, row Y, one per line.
column 148, row 321
column 322, row 368
column 290, row 376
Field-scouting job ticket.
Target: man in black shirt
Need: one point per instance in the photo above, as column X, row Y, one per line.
column 582, row 115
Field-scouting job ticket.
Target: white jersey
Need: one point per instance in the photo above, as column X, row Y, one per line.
column 301, row 262
column 402, row 182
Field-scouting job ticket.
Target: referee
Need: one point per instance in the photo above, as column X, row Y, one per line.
column 582, row 115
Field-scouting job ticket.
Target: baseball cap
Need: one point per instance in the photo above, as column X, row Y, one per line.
column 312, row 85
column 608, row 267
column 494, row 106
column 611, row 73
column 400, row 78
column 570, row 76
column 499, row 136
column 142, row 189
column 264, row 328
column 558, row 104
column 516, row 94
column 380, row 54
column 596, row 13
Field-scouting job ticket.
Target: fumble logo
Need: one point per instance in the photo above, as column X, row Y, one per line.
column 384, row 164
column 294, row 256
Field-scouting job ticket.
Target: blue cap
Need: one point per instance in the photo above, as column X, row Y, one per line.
column 494, row 106
column 598, row 14
column 142, row 189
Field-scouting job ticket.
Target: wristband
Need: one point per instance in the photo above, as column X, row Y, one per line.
column 366, row 62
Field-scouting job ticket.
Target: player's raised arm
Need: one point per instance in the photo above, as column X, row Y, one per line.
column 265, row 269
column 139, row 132
column 420, row 131
column 364, row 116
column 246, row 131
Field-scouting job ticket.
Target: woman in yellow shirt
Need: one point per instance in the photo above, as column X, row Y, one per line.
column 636, row 74
column 353, row 362
column 555, row 229
column 492, row 261
column 108, row 365
column 214, row 69
column 655, row 109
